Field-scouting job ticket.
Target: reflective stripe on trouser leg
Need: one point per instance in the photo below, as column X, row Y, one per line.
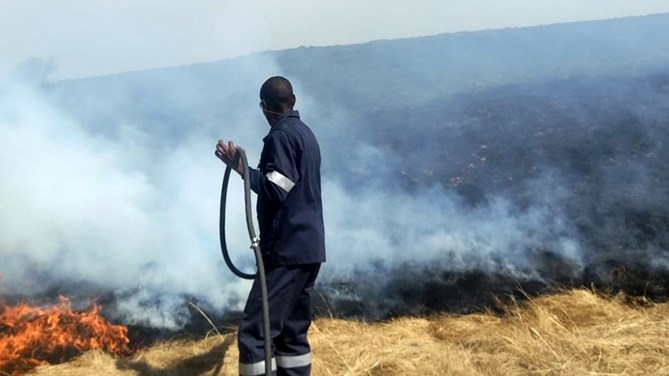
column 289, row 319
column 253, row 369
column 293, row 361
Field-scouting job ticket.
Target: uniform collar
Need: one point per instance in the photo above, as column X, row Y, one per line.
column 293, row 114
column 282, row 119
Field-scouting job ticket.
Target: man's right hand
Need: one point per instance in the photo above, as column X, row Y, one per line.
column 227, row 152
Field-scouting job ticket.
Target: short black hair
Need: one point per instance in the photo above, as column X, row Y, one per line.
column 278, row 93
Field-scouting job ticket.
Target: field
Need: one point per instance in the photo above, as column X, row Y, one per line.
column 575, row 332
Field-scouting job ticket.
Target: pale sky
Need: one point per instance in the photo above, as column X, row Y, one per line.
column 97, row 37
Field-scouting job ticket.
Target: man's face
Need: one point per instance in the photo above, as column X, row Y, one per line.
column 269, row 115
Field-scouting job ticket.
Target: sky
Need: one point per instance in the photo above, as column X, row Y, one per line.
column 83, row 38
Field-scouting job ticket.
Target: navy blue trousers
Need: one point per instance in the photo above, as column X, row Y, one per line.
column 290, row 310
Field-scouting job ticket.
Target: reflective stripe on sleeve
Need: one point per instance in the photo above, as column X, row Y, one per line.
column 253, row 369
column 294, row 361
column 280, row 180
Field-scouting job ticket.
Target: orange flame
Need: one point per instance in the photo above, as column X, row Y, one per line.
column 31, row 336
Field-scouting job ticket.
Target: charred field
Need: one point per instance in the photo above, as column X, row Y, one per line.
column 603, row 142
column 598, row 141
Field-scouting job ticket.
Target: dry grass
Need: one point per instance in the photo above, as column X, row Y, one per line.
column 574, row 333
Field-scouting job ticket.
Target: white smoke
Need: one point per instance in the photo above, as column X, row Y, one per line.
column 137, row 217
column 431, row 226
column 83, row 207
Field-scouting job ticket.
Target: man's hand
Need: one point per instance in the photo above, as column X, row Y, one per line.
column 227, row 153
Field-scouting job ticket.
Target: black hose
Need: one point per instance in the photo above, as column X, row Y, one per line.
column 241, row 154
column 221, row 224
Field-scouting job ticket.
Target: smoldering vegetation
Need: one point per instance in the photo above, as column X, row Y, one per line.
column 458, row 170
column 593, row 147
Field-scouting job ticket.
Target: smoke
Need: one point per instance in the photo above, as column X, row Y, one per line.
column 110, row 187
column 126, row 212
column 431, row 225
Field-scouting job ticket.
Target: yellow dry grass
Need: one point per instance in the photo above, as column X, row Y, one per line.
column 577, row 332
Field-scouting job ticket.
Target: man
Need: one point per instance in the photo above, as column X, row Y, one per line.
column 290, row 216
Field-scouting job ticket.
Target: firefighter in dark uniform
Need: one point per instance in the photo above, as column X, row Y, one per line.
column 290, row 216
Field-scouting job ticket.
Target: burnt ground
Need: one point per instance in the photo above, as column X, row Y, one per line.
column 605, row 139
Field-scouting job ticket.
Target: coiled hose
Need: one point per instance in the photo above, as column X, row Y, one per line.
column 241, row 155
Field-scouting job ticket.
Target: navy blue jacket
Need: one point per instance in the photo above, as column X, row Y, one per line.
column 288, row 185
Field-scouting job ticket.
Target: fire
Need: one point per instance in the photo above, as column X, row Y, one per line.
column 31, row 336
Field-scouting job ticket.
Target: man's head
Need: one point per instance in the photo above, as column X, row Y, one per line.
column 276, row 98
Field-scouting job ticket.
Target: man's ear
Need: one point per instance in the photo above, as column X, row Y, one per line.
column 293, row 101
